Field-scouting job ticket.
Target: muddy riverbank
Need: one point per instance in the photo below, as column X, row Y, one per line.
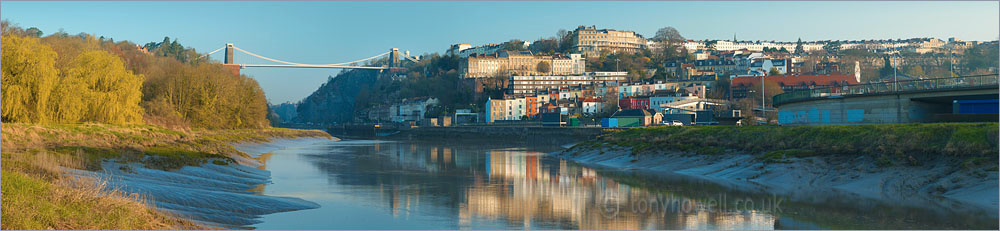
column 940, row 184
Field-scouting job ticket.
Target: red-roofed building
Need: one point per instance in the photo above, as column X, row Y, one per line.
column 549, row 108
column 788, row 83
column 633, row 103
column 593, row 105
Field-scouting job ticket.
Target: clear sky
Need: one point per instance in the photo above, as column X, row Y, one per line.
column 332, row 32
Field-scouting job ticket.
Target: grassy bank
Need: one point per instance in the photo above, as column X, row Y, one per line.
column 976, row 143
column 36, row 195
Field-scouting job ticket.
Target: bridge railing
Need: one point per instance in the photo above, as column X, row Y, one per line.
column 972, row 81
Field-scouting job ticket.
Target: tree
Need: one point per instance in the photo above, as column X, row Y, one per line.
column 566, row 41
column 34, row 31
column 109, row 92
column 544, row 46
column 798, row 46
column 783, row 50
column 710, row 44
column 671, row 41
column 770, row 88
column 543, row 67
column 915, row 70
column 981, row 57
column 832, row 47
column 774, row 71
column 668, row 34
column 29, row 75
column 720, row 90
column 887, row 68
column 514, row 45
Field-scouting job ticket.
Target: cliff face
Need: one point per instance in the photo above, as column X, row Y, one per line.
column 334, row 101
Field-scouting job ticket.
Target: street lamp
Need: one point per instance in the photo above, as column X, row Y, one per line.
column 895, row 87
column 762, row 98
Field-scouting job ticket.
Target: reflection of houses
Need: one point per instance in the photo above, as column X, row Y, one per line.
column 522, row 192
column 518, row 189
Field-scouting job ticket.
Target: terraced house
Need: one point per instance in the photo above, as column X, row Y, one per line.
column 506, row 63
column 592, row 42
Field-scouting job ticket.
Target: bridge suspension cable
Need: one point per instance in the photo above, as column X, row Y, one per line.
column 360, row 60
column 410, row 58
column 213, row 52
column 310, row 65
column 266, row 58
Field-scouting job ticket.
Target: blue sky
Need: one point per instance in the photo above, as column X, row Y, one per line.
column 331, row 32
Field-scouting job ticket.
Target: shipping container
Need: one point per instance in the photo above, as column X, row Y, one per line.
column 609, row 122
column 987, row 106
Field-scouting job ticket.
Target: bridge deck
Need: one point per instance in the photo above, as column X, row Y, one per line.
column 901, row 87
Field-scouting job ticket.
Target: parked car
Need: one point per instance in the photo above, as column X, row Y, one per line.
column 676, row 123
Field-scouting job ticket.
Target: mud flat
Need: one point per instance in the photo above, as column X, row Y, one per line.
column 939, row 184
column 217, row 194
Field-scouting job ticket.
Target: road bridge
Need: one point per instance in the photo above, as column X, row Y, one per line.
column 393, row 63
column 914, row 101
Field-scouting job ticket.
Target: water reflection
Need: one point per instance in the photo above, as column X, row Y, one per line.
column 451, row 185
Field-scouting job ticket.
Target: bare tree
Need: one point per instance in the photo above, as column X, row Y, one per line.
column 543, row 67
column 668, row 34
column 670, row 41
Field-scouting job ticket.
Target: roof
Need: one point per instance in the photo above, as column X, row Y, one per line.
column 636, row 113
column 713, row 62
column 798, row 80
column 592, row 99
column 634, row 98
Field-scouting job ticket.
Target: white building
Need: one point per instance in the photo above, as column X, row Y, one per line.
column 593, row 106
column 764, row 66
column 411, row 109
column 529, row 84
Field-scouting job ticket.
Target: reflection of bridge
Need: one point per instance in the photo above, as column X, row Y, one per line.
column 924, row 100
column 393, row 61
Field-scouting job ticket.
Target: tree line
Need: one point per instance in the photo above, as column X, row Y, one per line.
column 64, row 78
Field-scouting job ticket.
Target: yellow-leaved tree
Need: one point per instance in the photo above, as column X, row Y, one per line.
column 29, row 74
column 97, row 87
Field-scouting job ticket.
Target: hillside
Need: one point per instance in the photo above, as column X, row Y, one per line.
column 335, row 100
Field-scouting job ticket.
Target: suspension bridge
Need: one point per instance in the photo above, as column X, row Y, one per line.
column 393, row 54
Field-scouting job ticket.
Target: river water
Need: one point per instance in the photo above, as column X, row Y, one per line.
column 449, row 184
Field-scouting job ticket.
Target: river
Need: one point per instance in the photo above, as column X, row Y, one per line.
column 452, row 184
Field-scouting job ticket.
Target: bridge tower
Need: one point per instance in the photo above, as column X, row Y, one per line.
column 394, row 58
column 229, row 54
column 229, row 63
